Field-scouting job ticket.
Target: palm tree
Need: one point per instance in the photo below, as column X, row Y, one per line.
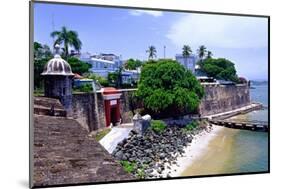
column 186, row 52
column 69, row 38
column 209, row 54
column 201, row 52
column 151, row 52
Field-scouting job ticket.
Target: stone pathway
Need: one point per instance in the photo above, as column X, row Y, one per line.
column 116, row 135
column 65, row 154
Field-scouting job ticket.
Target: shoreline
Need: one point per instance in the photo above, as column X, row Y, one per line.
column 192, row 152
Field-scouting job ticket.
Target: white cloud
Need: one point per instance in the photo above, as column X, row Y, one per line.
column 147, row 12
column 219, row 31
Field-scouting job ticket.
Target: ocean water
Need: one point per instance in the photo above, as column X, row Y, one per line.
column 259, row 93
column 237, row 151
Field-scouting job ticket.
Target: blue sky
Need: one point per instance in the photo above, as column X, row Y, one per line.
column 129, row 32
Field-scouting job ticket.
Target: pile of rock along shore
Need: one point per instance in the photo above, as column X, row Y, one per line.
column 154, row 152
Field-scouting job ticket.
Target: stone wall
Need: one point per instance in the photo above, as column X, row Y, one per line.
column 126, row 102
column 222, row 98
column 88, row 109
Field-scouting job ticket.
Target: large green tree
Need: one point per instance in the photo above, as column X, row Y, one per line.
column 151, row 52
column 41, row 51
column 42, row 54
column 220, row 69
column 115, row 78
column 167, row 89
column 69, row 38
column 78, row 66
column 132, row 64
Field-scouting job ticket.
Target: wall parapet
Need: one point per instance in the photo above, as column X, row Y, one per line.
column 89, row 111
column 222, row 98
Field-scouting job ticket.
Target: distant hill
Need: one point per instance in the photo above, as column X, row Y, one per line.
column 259, row 82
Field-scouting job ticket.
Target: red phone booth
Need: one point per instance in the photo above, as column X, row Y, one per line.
column 111, row 98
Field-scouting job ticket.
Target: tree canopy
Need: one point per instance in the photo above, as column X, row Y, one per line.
column 132, row 64
column 78, row 66
column 168, row 89
column 42, row 54
column 219, row 68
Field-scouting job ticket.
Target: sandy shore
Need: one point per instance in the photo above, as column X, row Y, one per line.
column 192, row 152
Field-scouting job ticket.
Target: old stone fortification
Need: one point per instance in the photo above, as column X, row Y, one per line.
column 89, row 110
column 222, row 98
column 63, row 153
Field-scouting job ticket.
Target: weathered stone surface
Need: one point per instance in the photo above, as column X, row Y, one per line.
column 222, row 98
column 48, row 106
column 88, row 109
column 63, row 153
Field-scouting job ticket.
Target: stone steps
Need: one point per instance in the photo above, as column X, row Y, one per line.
column 43, row 106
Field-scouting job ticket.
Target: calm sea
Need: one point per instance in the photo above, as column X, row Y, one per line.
column 254, row 145
column 237, row 151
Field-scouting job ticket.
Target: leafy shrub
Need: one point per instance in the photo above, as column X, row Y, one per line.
column 191, row 126
column 84, row 88
column 128, row 166
column 140, row 173
column 103, row 81
column 158, row 126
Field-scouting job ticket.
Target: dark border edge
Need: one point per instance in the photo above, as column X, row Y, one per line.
column 31, row 40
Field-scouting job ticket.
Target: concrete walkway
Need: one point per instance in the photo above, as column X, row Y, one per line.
column 116, row 135
column 251, row 107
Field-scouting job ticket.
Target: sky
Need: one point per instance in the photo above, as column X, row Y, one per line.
column 129, row 32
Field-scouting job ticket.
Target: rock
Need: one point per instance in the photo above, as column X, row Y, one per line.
column 119, row 155
column 162, row 155
column 149, row 170
column 154, row 150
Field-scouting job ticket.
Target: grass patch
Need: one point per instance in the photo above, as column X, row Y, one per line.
column 128, row 166
column 131, row 167
column 38, row 92
column 158, row 126
column 101, row 134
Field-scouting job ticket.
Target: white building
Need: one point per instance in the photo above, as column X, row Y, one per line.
column 187, row 62
column 102, row 64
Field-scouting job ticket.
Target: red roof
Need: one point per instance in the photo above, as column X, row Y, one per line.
column 110, row 90
column 77, row 76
